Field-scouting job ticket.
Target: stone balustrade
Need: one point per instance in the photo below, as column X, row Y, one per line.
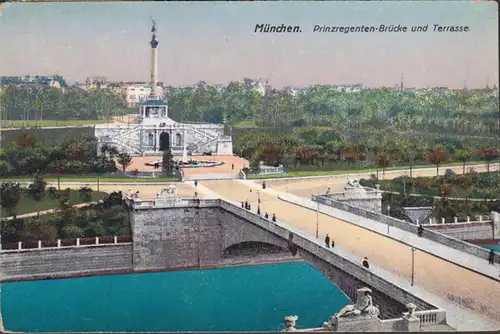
column 434, row 222
column 65, row 243
column 406, row 226
column 267, row 170
column 221, row 176
column 431, row 317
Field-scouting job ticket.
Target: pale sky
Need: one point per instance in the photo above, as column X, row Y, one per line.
column 216, row 43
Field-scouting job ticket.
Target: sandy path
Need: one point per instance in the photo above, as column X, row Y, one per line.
column 146, row 192
column 307, row 187
column 139, row 164
column 442, row 278
column 124, row 118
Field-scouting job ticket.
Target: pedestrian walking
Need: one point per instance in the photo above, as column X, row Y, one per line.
column 232, row 166
column 327, row 241
column 274, row 218
column 266, row 216
column 365, row 263
column 196, row 183
column 420, row 231
column 263, row 184
column 333, row 244
column 491, row 257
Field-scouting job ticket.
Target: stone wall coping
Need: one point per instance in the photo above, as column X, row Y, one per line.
column 337, row 257
column 343, row 176
column 138, row 204
column 227, row 176
column 417, row 207
column 458, row 225
column 63, row 248
column 478, row 252
column 354, row 197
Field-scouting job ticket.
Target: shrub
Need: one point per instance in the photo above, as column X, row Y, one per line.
column 449, row 174
column 85, row 194
column 72, row 231
column 52, row 192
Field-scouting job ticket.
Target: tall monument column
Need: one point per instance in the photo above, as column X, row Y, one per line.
column 154, row 64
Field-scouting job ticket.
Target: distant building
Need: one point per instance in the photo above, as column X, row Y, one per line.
column 136, row 93
column 350, row 88
column 96, row 82
column 56, row 81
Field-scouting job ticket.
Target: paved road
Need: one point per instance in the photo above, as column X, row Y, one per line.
column 45, row 212
column 306, row 187
column 139, row 163
column 147, row 192
column 440, row 277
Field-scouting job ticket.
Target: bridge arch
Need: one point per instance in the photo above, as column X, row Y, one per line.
column 252, row 247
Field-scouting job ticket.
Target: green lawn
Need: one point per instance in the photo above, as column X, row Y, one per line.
column 27, row 204
column 48, row 123
column 91, row 179
column 299, row 173
column 245, row 124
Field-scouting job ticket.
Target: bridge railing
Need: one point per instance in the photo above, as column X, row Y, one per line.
column 35, row 245
column 345, row 261
column 409, row 227
column 393, row 325
column 431, row 317
column 221, row 176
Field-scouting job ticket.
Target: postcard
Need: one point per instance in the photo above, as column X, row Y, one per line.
column 249, row 166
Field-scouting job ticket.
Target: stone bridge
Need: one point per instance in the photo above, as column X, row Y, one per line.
column 198, row 233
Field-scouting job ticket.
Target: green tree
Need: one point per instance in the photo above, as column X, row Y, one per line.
column 167, row 162
column 488, row 154
column 383, row 161
column 124, row 159
column 37, row 188
column 463, row 155
column 438, row 156
column 10, row 195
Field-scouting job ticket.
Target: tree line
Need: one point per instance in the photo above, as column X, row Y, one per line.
column 24, row 102
column 464, row 112
column 467, row 112
column 25, row 156
column 319, row 148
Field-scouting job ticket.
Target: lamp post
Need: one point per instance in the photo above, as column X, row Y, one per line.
column 317, row 217
column 258, row 202
column 404, row 185
column 412, row 265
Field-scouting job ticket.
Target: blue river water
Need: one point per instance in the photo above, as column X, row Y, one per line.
column 496, row 248
column 251, row 298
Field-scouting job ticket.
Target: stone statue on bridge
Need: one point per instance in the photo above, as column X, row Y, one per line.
column 354, row 189
column 364, row 305
column 353, row 184
column 290, row 323
column 168, row 196
column 364, row 308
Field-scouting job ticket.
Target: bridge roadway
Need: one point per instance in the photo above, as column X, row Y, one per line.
column 447, row 280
